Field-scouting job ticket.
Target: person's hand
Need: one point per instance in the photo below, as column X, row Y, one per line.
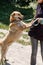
column 40, row 20
column 35, row 22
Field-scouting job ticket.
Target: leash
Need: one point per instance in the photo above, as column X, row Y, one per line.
column 35, row 23
column 28, row 20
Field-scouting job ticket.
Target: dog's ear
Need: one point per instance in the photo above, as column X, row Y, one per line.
column 12, row 18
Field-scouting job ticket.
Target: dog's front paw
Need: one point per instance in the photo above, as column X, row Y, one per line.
column 3, row 62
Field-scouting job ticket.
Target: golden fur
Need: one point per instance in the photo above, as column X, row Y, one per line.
column 15, row 30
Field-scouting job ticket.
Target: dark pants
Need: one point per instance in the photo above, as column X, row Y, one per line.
column 34, row 50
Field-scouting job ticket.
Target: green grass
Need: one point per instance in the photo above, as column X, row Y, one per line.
column 25, row 36
column 3, row 26
column 2, row 34
column 23, row 42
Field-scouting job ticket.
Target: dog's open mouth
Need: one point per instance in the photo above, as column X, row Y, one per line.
column 19, row 18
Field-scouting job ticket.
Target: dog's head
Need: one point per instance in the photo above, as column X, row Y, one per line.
column 16, row 16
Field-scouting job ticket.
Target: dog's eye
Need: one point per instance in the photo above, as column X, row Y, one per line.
column 14, row 14
column 19, row 14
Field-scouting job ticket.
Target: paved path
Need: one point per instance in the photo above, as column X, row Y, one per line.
column 20, row 55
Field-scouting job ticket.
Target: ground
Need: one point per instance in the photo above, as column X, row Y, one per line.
column 19, row 54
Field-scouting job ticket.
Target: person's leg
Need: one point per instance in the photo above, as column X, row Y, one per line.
column 34, row 50
column 41, row 44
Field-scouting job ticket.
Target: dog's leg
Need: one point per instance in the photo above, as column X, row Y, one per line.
column 3, row 55
column 26, row 25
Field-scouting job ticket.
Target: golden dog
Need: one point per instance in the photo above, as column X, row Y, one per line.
column 15, row 30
